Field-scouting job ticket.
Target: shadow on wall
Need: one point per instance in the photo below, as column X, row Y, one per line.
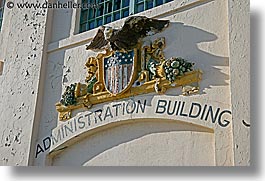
column 52, row 92
column 182, row 41
column 61, row 29
column 94, row 146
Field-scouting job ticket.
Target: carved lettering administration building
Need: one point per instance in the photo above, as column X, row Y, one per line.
column 124, row 83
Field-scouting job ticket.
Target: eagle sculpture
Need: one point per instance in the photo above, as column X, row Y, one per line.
column 126, row 38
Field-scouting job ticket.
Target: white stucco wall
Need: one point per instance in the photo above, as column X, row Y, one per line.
column 201, row 31
column 22, row 43
column 162, row 142
column 239, row 32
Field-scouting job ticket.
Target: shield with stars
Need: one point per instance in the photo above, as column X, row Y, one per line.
column 119, row 71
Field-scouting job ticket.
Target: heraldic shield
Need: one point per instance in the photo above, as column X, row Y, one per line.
column 119, row 71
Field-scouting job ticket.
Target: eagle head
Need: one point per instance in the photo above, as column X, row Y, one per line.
column 108, row 31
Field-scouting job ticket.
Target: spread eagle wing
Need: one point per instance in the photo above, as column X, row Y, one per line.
column 98, row 41
column 135, row 28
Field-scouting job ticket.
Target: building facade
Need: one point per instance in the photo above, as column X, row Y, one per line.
column 201, row 119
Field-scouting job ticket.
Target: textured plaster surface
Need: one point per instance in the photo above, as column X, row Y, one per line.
column 22, row 40
column 199, row 32
column 239, row 31
column 146, row 143
column 194, row 34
